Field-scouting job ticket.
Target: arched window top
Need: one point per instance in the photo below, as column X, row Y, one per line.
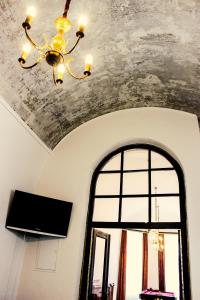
column 138, row 183
column 136, row 159
column 160, row 156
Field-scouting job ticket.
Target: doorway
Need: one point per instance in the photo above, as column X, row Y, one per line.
column 145, row 268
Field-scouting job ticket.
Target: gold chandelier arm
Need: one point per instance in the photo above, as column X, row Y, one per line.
column 46, row 44
column 73, row 75
column 32, row 66
column 33, row 43
column 70, row 51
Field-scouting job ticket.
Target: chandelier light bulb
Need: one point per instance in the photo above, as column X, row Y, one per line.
column 31, row 11
column 27, row 48
column 61, row 68
column 89, row 59
column 88, row 64
column 83, row 21
column 60, row 71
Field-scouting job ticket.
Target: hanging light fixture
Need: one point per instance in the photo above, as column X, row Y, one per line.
column 55, row 53
column 154, row 235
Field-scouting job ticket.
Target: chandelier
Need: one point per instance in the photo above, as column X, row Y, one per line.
column 55, row 53
column 154, row 235
column 156, row 239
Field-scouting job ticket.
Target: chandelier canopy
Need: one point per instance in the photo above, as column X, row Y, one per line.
column 55, row 53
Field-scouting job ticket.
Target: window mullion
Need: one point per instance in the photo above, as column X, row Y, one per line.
column 149, row 181
column 121, row 186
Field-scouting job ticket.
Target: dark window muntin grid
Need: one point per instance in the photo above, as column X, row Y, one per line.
column 150, row 195
column 135, row 170
column 137, row 195
column 182, row 225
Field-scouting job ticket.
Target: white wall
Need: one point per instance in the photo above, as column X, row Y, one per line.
column 68, row 173
column 21, row 157
column 115, row 242
column 134, row 264
column 153, row 267
column 172, row 258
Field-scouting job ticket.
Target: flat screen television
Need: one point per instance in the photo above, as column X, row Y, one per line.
column 39, row 214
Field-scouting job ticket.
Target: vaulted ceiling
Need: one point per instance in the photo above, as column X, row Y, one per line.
column 146, row 53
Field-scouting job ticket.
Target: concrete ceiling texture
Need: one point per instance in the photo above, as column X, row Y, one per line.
column 146, row 53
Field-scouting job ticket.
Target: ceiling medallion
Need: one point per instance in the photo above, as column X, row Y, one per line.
column 55, row 53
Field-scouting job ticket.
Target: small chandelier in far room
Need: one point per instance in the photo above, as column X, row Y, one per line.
column 155, row 237
column 55, row 53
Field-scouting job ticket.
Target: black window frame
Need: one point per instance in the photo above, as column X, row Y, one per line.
column 182, row 225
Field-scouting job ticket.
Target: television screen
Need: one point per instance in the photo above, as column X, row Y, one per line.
column 39, row 214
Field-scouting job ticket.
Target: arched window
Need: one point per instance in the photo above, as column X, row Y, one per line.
column 138, row 187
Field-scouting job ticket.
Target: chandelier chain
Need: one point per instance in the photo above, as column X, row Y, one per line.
column 66, row 8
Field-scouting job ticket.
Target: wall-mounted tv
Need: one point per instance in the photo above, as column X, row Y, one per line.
column 39, row 214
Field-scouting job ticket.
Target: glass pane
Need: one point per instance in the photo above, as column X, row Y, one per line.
column 106, row 210
column 113, row 164
column 98, row 265
column 165, row 181
column 135, row 183
column 159, row 161
column 134, row 210
column 135, row 159
column 108, row 184
column 168, row 209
